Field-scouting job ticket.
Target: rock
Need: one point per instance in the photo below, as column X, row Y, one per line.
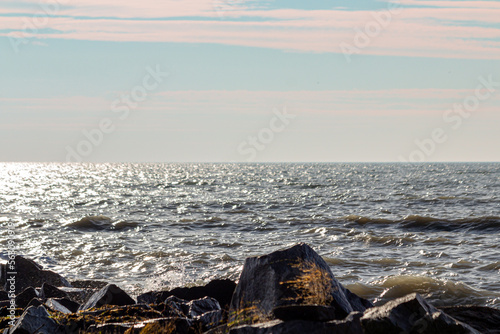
column 201, row 306
column 23, row 299
column 297, row 275
column 350, row 325
column 411, row 314
column 222, row 290
column 176, row 306
column 482, row 318
column 31, row 274
column 82, row 290
column 49, row 291
column 35, row 320
column 151, row 297
column 78, row 295
column 191, row 309
column 209, row 320
column 34, row 302
column 4, row 295
column 206, row 311
column 305, row 312
column 62, row 305
column 109, row 295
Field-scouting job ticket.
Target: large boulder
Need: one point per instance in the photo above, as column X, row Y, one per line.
column 109, row 295
column 29, row 273
column 297, row 275
column 222, row 290
column 35, row 320
column 411, row 314
column 484, row 319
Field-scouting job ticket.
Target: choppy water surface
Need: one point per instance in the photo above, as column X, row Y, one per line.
column 385, row 229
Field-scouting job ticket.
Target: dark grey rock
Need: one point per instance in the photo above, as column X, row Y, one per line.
column 4, row 295
column 31, row 274
column 305, row 312
column 35, row 320
column 222, row 290
column 62, row 305
column 266, row 282
column 177, row 306
column 482, row 318
column 210, row 319
column 78, row 295
column 350, row 325
column 201, row 306
column 411, row 314
column 151, row 297
column 34, row 302
column 109, row 295
column 23, row 299
column 49, row 291
column 205, row 310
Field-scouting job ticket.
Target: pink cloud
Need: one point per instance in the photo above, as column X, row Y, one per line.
column 425, row 32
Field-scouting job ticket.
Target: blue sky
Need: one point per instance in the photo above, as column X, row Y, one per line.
column 420, row 81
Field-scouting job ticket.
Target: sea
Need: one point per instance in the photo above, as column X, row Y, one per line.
column 385, row 229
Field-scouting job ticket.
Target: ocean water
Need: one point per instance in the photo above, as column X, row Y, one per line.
column 385, row 229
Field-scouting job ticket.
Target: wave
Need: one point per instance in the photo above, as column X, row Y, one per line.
column 438, row 291
column 486, row 223
column 96, row 223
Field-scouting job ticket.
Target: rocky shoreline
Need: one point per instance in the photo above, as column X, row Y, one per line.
column 288, row 291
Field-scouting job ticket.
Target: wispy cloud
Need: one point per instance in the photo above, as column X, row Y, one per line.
column 448, row 29
column 380, row 102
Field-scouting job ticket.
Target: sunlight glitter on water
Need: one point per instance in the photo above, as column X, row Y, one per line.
column 137, row 224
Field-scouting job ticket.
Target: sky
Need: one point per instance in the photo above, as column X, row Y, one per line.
column 249, row 81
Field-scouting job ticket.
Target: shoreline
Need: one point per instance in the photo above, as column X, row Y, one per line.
column 286, row 291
